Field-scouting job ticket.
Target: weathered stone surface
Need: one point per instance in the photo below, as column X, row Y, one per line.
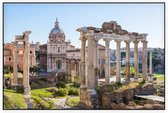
column 147, row 90
column 148, row 106
column 129, row 107
column 114, row 105
column 138, row 107
column 127, row 95
column 105, row 101
column 158, row 106
column 131, row 103
column 121, row 106
column 118, row 97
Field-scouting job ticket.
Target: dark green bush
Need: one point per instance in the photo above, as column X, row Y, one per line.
column 60, row 84
column 43, row 79
column 34, row 85
column 73, row 91
column 76, row 85
column 20, row 89
column 61, row 92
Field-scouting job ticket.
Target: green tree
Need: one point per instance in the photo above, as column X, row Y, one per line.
column 34, row 69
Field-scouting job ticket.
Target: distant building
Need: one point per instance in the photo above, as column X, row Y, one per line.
column 9, row 53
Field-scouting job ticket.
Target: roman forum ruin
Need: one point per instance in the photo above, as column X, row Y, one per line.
column 109, row 31
column 25, row 40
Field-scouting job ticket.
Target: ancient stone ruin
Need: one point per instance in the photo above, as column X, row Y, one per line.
column 109, row 31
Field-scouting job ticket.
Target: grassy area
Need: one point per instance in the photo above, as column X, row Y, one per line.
column 13, row 100
column 41, row 93
column 41, row 98
column 72, row 101
column 159, row 78
column 10, row 75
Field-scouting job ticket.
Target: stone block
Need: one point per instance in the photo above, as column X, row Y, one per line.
column 118, row 97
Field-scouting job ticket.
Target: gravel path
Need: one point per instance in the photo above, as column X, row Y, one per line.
column 60, row 103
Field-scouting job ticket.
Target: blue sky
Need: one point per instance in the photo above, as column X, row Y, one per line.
column 40, row 18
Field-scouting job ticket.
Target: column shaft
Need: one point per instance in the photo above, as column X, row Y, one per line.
column 90, row 74
column 150, row 69
column 118, row 61
column 127, row 61
column 83, row 70
column 136, row 64
column 26, row 69
column 96, row 62
column 107, row 62
column 144, row 60
column 15, row 68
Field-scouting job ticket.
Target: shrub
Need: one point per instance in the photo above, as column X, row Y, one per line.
column 73, row 91
column 131, row 71
column 61, row 84
column 52, row 90
column 72, row 101
column 34, row 85
column 20, row 89
column 76, row 85
column 61, row 92
column 43, row 79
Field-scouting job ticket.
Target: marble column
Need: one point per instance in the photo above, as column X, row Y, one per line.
column 90, row 75
column 150, row 63
column 96, row 62
column 127, row 60
column 118, row 61
column 136, row 64
column 144, row 60
column 83, row 70
column 26, row 64
column 15, row 68
column 107, row 61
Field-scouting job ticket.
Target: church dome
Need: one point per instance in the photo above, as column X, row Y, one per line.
column 56, row 30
